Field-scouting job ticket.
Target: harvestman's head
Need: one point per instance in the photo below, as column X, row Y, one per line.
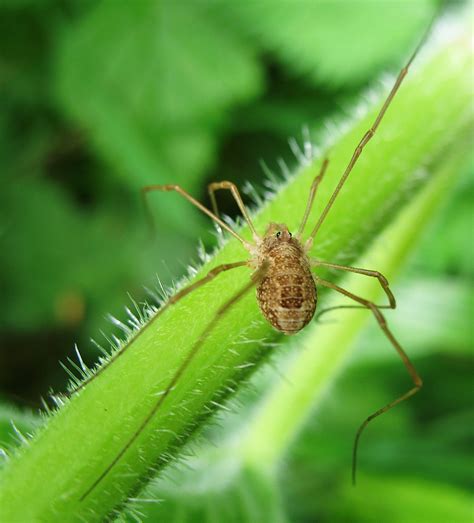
column 278, row 231
column 276, row 234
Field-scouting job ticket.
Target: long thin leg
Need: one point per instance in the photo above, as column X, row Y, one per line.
column 365, row 139
column 172, row 300
column 171, row 187
column 215, row 186
column 338, row 307
column 366, row 272
column 417, row 381
column 312, row 194
column 255, row 279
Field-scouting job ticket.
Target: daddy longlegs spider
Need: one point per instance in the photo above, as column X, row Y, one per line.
column 286, row 287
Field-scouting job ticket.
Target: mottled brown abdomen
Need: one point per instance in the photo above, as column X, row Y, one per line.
column 287, row 294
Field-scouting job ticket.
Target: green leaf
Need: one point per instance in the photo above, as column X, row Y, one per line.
column 82, row 439
column 335, row 42
column 412, row 501
column 435, row 314
column 58, row 254
column 453, row 228
column 150, row 82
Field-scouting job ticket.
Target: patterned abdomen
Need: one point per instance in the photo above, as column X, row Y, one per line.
column 287, row 294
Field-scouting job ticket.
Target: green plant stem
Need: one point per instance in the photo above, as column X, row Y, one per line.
column 45, row 480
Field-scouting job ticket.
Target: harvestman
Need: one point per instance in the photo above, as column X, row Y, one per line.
column 286, row 287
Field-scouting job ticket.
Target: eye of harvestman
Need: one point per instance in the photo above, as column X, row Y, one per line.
column 278, row 234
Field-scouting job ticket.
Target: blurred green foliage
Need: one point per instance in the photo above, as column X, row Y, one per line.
column 97, row 100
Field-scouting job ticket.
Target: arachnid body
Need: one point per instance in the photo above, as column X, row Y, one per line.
column 287, row 294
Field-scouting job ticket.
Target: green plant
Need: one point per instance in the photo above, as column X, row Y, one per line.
column 89, row 431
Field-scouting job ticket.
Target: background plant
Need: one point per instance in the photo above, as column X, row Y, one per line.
column 70, row 188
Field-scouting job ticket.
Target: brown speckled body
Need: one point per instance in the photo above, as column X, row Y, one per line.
column 287, row 293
